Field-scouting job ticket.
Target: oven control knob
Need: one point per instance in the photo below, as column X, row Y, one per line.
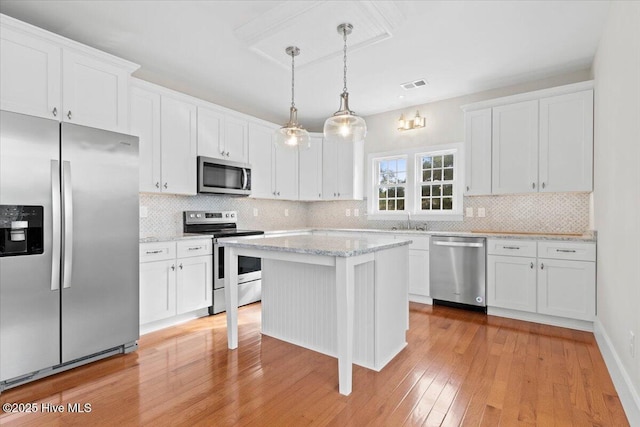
column 191, row 216
column 233, row 215
column 198, row 215
column 226, row 215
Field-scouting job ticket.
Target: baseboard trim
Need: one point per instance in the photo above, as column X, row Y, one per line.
column 581, row 325
column 421, row 299
column 628, row 394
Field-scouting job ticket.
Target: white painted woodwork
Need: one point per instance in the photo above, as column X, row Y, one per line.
column 260, row 158
column 210, row 133
column 567, row 288
column 94, row 92
column 310, row 171
column 566, row 142
column 236, row 139
column 512, row 247
column 577, row 251
column 515, row 148
column 178, row 137
column 285, row 167
column 194, row 283
column 247, row 293
column 511, row 282
column 145, row 123
column 157, row 290
column 30, row 75
column 157, row 251
column 478, row 152
column 342, row 170
column 419, row 272
column 195, row 247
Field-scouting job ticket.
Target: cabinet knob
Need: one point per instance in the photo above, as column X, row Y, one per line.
column 157, row 185
column 278, row 193
column 173, row 268
column 165, row 185
column 542, row 266
column 533, row 185
column 319, row 194
column 338, row 194
column 274, row 193
column 334, row 194
column 543, row 185
column 69, row 114
column 227, row 154
column 531, row 265
column 180, row 266
column 54, row 112
column 467, row 188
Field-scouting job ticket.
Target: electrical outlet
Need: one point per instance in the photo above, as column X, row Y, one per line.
column 356, row 212
column 144, row 212
column 470, row 212
column 482, row 213
column 347, row 212
column 632, row 344
column 255, row 211
column 286, row 212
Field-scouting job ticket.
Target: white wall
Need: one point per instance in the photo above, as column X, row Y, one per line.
column 616, row 70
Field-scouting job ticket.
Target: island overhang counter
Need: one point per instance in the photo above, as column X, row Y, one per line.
column 343, row 296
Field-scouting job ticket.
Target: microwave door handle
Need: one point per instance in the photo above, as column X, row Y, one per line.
column 245, row 179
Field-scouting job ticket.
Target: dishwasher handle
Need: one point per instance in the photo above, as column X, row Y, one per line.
column 459, row 244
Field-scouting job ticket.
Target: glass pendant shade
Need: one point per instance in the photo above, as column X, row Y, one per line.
column 292, row 135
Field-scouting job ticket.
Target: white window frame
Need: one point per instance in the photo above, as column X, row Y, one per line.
column 412, row 189
column 376, row 180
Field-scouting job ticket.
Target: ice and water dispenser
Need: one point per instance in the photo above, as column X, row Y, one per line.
column 21, row 230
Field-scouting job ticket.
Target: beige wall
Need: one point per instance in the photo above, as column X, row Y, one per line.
column 617, row 186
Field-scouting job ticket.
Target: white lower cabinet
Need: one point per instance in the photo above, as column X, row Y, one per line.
column 175, row 278
column 419, row 272
column 567, row 288
column 511, row 282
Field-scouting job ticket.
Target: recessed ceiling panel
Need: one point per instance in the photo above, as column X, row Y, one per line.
column 312, row 26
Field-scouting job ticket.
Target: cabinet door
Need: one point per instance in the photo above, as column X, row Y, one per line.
column 194, row 284
column 157, row 290
column 210, row 133
column 329, row 170
column 178, row 136
column 567, row 288
column 419, row 272
column 260, row 152
column 95, row 93
column 515, row 148
column 566, row 142
column 310, row 170
column 30, row 75
column 145, row 123
column 345, row 172
column 235, row 139
column 478, row 152
column 286, row 173
column 511, row 282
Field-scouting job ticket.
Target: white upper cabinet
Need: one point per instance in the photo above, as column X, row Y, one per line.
column 49, row 76
column 478, row 152
column 566, row 142
column 145, row 123
column 515, row 148
column 30, row 75
column 178, row 137
column 222, row 136
column 285, row 166
column 260, row 158
column 310, row 167
column 342, row 170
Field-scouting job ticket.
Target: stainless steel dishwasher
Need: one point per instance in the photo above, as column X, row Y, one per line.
column 457, row 270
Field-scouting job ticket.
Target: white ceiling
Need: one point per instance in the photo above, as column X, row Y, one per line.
column 227, row 51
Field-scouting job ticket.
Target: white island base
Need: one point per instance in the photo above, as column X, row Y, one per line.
column 348, row 303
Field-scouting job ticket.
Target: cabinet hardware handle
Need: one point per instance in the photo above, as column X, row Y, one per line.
column 222, row 152
column 227, row 154
column 543, row 185
column 467, row 188
column 334, row 194
column 319, row 194
column 173, row 268
column 570, row 251
column 511, row 247
column 533, row 185
column 54, row 112
column 69, row 114
column 165, row 185
column 159, row 251
column 338, row 194
column 274, row 193
column 180, row 266
column 542, row 266
column 531, row 265
column 195, row 248
column 157, row 185
column 278, row 193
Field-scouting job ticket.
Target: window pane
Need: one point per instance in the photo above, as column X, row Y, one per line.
column 400, row 191
column 426, row 176
column 447, row 190
column 435, row 190
column 435, row 204
column 437, row 175
column 382, row 192
column 447, row 203
column 400, row 205
column 426, row 163
column 426, row 205
column 402, row 165
column 448, row 161
column 437, row 161
column 448, row 174
column 382, row 205
column 392, row 192
column 426, row 190
column 402, row 177
column 391, row 206
column 383, row 166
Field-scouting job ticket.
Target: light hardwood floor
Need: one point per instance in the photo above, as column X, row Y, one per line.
column 459, row 368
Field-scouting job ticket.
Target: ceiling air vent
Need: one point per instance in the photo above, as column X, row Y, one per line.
column 414, row 84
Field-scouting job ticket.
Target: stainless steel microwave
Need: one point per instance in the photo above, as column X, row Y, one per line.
column 223, row 177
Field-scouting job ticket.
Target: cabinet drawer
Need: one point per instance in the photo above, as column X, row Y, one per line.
column 511, row 247
column 567, row 250
column 157, row 251
column 188, row 248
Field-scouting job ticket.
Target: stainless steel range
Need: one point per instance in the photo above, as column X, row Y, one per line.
column 220, row 225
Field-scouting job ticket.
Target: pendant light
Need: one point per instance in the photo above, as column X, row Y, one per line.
column 344, row 125
column 292, row 135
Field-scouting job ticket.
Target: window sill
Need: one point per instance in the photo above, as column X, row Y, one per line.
column 402, row 216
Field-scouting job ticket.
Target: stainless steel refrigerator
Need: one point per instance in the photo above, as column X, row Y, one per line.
column 68, row 246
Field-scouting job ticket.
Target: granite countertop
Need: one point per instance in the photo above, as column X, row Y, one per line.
column 319, row 245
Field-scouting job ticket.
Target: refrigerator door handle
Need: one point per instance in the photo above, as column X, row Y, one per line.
column 67, row 200
column 55, row 225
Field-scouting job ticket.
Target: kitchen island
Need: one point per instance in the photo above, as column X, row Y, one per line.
column 343, row 296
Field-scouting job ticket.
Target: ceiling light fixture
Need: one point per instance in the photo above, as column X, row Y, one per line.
column 292, row 135
column 344, row 125
column 416, row 123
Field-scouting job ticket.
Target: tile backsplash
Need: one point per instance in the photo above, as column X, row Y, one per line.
column 543, row 213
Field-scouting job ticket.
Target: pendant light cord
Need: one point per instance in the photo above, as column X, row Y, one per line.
column 293, row 74
column 344, row 35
